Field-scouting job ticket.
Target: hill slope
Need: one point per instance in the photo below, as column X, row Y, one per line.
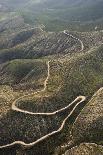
column 88, row 126
column 25, row 53
column 86, row 148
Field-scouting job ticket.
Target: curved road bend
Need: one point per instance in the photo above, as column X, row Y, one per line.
column 80, row 99
column 14, row 104
column 82, row 45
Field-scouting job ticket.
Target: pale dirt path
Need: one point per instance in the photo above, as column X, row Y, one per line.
column 14, row 104
column 80, row 99
column 82, row 45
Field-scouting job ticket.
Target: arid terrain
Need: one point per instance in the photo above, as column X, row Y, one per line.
column 51, row 84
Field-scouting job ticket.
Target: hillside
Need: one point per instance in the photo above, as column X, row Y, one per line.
column 77, row 76
column 51, row 77
column 91, row 129
column 86, row 148
column 35, row 43
column 86, row 132
column 79, row 72
column 18, row 72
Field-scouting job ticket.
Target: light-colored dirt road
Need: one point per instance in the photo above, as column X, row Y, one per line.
column 15, row 103
column 79, row 100
column 82, row 45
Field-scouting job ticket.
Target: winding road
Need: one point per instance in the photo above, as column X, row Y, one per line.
column 79, row 100
column 82, row 45
column 14, row 104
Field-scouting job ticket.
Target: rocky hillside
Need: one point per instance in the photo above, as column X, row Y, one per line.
column 86, row 132
column 42, row 72
column 86, row 149
column 88, row 126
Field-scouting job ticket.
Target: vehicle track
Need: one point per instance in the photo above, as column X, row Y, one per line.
column 82, row 45
column 79, row 100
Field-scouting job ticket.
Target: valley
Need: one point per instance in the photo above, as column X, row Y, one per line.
column 51, row 77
